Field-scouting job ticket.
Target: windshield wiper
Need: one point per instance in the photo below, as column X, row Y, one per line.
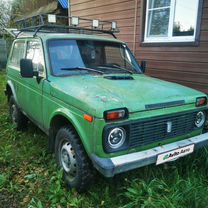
column 118, row 67
column 82, row 69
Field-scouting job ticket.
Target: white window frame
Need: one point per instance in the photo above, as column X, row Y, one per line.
column 170, row 37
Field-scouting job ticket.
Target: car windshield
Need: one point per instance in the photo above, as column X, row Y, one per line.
column 75, row 57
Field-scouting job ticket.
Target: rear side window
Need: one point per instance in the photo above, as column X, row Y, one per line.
column 17, row 53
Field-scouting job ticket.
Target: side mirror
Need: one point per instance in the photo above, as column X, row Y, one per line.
column 143, row 66
column 26, row 68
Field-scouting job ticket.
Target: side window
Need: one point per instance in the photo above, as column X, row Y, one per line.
column 17, row 53
column 35, row 53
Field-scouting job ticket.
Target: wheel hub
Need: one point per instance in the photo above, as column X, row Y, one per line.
column 68, row 160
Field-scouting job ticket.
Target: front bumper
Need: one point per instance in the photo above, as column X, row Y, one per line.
column 112, row 166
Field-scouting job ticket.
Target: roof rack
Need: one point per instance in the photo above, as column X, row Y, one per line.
column 62, row 24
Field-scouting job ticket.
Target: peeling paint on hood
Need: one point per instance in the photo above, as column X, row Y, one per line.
column 95, row 94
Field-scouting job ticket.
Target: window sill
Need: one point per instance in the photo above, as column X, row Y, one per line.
column 170, row 44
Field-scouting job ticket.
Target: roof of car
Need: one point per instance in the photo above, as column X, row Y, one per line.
column 47, row 36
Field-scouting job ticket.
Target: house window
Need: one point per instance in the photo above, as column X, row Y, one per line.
column 171, row 20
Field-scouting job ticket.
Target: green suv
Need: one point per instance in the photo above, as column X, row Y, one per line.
column 98, row 108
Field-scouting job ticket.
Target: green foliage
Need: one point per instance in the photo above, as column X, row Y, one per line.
column 30, row 178
column 35, row 203
column 3, row 180
column 5, row 11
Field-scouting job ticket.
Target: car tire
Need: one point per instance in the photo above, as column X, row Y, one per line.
column 19, row 120
column 72, row 158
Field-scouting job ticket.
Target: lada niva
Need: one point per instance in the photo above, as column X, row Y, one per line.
column 98, row 108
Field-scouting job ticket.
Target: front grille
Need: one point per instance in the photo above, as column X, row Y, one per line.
column 155, row 130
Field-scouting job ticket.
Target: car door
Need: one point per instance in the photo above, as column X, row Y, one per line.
column 31, row 90
column 13, row 68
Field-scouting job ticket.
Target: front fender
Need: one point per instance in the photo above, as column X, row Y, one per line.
column 83, row 128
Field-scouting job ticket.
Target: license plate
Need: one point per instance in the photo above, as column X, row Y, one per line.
column 174, row 154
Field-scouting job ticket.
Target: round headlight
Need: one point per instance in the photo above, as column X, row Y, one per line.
column 200, row 119
column 116, row 138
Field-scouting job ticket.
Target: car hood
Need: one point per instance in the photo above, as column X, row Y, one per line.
column 95, row 94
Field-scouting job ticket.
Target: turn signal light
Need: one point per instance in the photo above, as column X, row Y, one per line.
column 88, row 118
column 201, row 101
column 115, row 114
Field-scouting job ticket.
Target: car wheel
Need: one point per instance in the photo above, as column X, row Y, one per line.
column 72, row 158
column 19, row 120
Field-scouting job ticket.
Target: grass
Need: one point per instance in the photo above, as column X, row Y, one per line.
column 29, row 177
